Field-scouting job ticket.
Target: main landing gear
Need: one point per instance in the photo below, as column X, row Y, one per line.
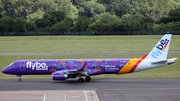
column 87, row 78
column 80, row 80
column 19, row 78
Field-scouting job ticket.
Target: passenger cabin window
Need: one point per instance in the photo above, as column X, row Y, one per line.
column 121, row 64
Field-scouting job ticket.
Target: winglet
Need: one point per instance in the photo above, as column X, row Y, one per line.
column 83, row 68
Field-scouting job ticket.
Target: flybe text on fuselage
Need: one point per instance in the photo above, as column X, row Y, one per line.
column 159, row 48
column 36, row 65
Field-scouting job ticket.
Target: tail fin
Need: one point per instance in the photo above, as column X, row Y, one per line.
column 160, row 51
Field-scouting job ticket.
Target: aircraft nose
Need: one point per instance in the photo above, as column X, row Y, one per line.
column 6, row 70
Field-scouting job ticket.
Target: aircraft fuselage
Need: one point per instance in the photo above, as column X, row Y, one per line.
column 94, row 66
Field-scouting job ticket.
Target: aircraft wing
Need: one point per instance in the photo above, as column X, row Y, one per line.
column 82, row 73
column 79, row 71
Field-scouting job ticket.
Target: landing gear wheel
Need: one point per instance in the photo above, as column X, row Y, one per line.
column 19, row 79
column 88, row 78
column 80, row 80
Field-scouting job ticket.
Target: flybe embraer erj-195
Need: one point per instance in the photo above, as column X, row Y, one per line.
column 62, row 69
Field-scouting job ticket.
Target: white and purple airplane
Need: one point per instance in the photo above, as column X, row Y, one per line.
column 62, row 69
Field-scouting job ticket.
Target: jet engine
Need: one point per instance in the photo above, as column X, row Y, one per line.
column 59, row 76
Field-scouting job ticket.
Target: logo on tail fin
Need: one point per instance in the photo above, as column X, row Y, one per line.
column 163, row 44
column 160, row 47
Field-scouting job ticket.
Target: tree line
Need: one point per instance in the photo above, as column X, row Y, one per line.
column 89, row 16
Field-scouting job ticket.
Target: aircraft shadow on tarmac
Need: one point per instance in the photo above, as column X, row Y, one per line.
column 94, row 80
column 108, row 81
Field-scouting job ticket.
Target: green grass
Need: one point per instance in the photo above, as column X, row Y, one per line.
column 162, row 72
column 38, row 44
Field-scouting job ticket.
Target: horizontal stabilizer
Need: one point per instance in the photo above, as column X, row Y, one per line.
column 160, row 62
column 168, row 61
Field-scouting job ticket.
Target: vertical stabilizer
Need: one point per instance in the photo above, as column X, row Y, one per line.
column 160, row 51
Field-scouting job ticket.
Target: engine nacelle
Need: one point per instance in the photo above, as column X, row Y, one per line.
column 59, row 76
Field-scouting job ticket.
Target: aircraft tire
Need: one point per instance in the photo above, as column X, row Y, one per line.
column 88, row 78
column 19, row 79
column 80, row 80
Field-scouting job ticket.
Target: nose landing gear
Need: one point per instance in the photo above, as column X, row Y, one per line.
column 19, row 78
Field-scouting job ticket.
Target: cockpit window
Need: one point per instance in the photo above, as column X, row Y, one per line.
column 12, row 64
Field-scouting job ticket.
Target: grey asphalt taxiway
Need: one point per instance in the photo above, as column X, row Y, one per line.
column 103, row 89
